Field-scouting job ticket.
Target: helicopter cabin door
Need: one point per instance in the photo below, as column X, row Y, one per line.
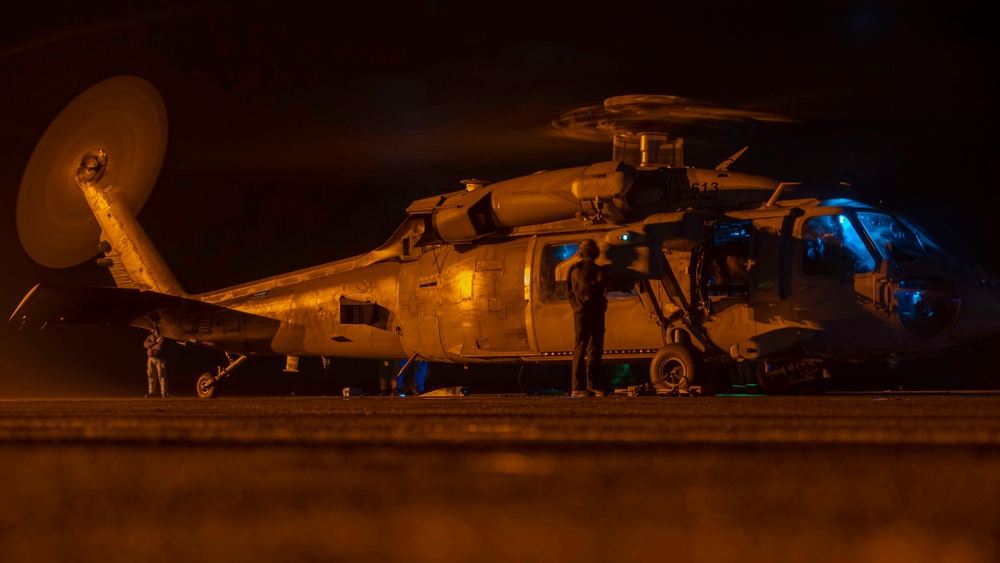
column 630, row 329
column 467, row 303
column 723, row 280
column 834, row 276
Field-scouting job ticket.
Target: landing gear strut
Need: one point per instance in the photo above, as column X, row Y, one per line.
column 207, row 383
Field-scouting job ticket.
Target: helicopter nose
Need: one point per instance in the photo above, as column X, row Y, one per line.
column 926, row 306
column 979, row 318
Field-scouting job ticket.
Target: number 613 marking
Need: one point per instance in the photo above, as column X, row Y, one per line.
column 704, row 187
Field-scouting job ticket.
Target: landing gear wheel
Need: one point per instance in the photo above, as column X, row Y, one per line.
column 672, row 367
column 206, row 386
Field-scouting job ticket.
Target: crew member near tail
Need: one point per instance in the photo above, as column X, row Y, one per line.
column 156, row 363
column 587, row 285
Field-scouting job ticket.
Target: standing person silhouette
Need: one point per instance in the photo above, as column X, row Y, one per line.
column 587, row 284
column 156, row 363
column 411, row 382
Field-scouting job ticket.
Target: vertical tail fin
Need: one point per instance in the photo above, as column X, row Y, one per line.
column 128, row 253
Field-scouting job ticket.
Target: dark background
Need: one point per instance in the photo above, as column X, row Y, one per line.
column 300, row 131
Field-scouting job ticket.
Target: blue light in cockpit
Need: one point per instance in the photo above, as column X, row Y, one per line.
column 843, row 202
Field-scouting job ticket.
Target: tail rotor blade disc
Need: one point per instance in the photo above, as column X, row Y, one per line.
column 112, row 136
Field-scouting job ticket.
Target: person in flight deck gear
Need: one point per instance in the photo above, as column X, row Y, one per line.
column 407, row 384
column 411, row 382
column 587, row 284
column 387, row 370
column 156, row 363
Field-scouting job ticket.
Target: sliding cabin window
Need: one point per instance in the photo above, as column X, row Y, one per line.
column 557, row 258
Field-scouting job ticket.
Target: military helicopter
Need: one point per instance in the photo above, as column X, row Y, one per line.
column 713, row 268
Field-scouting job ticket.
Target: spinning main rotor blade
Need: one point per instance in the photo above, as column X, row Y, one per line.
column 693, row 120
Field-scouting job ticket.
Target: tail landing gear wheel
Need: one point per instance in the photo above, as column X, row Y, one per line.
column 206, row 386
column 672, row 367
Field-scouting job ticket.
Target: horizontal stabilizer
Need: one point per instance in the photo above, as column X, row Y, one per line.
column 109, row 305
column 81, row 304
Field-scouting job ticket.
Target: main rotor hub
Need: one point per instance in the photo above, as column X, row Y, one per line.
column 92, row 165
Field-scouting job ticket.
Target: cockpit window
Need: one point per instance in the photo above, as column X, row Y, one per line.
column 893, row 239
column 833, row 247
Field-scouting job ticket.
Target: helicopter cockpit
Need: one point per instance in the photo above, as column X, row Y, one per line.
column 858, row 239
column 893, row 237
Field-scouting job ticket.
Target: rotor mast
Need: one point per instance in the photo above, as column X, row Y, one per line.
column 648, row 150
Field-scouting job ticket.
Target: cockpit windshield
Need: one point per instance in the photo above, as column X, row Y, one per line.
column 896, row 239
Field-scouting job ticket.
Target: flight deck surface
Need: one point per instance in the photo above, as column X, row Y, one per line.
column 861, row 477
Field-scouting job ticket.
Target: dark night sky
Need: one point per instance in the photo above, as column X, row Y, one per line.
column 299, row 132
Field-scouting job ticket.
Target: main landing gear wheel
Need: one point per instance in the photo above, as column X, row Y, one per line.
column 672, row 367
column 206, row 386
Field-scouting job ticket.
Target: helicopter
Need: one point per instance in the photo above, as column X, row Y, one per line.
column 713, row 269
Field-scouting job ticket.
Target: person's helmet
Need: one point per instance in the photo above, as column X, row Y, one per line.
column 588, row 249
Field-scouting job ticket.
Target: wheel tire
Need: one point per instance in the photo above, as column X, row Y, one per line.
column 205, row 388
column 673, row 367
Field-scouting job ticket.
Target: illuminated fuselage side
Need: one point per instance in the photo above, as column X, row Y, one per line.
column 465, row 303
column 501, row 297
column 334, row 310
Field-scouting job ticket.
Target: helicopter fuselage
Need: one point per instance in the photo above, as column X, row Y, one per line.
column 789, row 280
